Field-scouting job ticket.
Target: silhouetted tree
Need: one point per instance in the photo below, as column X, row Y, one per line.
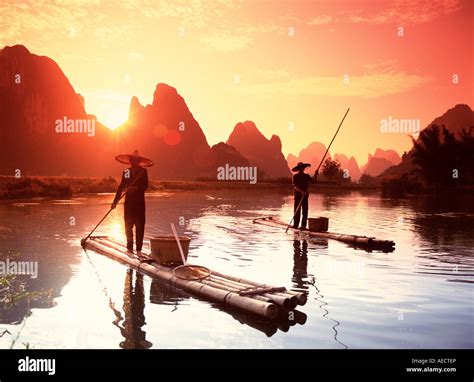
column 466, row 156
column 331, row 169
column 427, row 149
column 367, row 180
column 442, row 159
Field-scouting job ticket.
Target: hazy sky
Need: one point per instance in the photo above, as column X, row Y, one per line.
column 277, row 63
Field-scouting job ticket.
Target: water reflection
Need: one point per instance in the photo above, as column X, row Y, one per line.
column 324, row 306
column 35, row 232
column 302, row 281
column 329, row 201
column 133, row 307
column 192, row 207
column 300, row 265
column 163, row 293
column 442, row 220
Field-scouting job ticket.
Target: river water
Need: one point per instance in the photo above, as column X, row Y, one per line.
column 421, row 295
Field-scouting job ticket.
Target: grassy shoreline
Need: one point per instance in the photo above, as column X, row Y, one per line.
column 64, row 187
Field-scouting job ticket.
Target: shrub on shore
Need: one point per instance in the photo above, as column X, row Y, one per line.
column 398, row 187
column 56, row 187
column 15, row 188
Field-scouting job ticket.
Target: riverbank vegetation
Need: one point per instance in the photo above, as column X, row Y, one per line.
column 64, row 187
column 57, row 187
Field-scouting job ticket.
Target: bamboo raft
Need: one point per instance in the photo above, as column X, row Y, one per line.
column 260, row 299
column 164, row 293
column 355, row 240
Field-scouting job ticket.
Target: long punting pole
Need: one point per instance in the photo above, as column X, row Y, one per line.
column 317, row 170
column 83, row 241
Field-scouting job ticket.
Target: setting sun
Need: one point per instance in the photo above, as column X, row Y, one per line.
column 110, row 107
column 111, row 117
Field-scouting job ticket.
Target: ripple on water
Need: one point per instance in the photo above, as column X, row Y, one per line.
column 417, row 279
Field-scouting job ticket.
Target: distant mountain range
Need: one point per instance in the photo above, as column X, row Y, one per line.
column 380, row 161
column 45, row 130
column 385, row 163
column 376, row 164
column 312, row 154
column 350, row 165
column 167, row 132
column 34, row 95
column 261, row 152
column 455, row 119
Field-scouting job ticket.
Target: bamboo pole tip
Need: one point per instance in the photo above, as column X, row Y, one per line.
column 293, row 301
column 302, row 298
column 271, row 311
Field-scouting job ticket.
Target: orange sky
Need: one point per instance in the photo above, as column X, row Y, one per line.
column 111, row 51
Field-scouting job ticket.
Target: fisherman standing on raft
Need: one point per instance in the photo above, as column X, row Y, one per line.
column 301, row 182
column 134, row 182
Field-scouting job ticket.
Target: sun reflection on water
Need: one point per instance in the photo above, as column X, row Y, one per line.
column 115, row 231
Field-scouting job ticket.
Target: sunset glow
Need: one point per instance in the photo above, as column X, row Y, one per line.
column 274, row 63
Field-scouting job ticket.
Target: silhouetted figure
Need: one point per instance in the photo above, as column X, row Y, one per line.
column 301, row 182
column 133, row 307
column 134, row 182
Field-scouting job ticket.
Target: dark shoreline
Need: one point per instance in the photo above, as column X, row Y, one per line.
column 63, row 187
column 12, row 188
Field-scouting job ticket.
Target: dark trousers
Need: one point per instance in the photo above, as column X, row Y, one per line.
column 135, row 216
column 304, row 208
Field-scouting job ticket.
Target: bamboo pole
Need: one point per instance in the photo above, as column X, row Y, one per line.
column 261, row 308
column 263, row 290
column 289, row 301
column 301, row 299
column 114, row 245
column 120, row 246
column 226, row 282
column 283, row 301
column 238, row 279
column 293, row 300
column 230, row 289
column 300, row 296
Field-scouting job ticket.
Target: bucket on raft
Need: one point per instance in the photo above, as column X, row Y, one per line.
column 320, row 224
column 165, row 250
